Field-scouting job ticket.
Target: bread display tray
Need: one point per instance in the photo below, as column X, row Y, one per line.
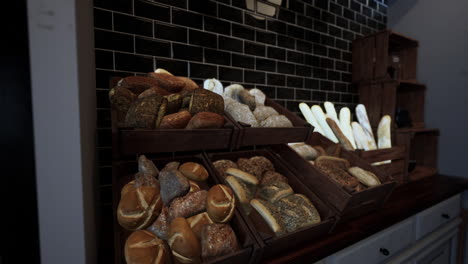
column 349, row 205
column 251, row 136
column 128, row 141
column 123, row 172
column 271, row 244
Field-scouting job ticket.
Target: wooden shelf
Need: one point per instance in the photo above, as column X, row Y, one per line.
column 421, row 172
column 417, row 130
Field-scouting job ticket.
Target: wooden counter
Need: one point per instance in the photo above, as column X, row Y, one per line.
column 405, row 201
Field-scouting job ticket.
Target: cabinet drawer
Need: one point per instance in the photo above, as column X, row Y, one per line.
column 379, row 247
column 434, row 217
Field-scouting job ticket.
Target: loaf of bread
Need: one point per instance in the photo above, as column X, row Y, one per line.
column 143, row 247
column 189, row 84
column 194, row 171
column 367, row 178
column 143, row 112
column 260, row 97
column 183, row 242
column 333, row 161
column 274, row 191
column 297, row 211
column 161, row 70
column 152, row 91
column 121, row 98
column 336, row 169
column 270, row 177
column 270, row 215
column 244, row 192
column 339, row 134
column 174, row 103
column 167, row 82
column 218, row 240
column 246, row 98
column 173, row 185
column 160, row 227
column 191, row 204
column 140, row 202
column 248, row 166
column 222, row 165
column 202, row 100
column 137, row 84
column 276, row 121
column 243, row 176
column 262, row 162
column 240, row 113
column 306, row 151
column 197, row 222
column 161, row 113
column 206, row 120
column 220, row 203
column 262, row 112
column 232, row 91
column 173, row 165
column 147, row 166
column 213, row 85
column 176, row 121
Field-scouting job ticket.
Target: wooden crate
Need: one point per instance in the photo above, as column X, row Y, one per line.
column 130, row 141
column 374, row 57
column 123, row 172
column 258, row 136
column 276, row 245
column 422, row 147
column 348, row 204
column 385, row 97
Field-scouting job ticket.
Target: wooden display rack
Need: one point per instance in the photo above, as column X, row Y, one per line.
column 375, row 57
column 384, row 69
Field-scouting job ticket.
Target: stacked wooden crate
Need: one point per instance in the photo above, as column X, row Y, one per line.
column 384, row 70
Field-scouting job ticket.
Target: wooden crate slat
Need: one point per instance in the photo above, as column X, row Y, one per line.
column 381, row 55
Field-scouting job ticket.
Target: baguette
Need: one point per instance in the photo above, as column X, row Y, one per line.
column 321, row 119
column 309, row 117
column 363, row 119
column 345, row 125
column 339, row 134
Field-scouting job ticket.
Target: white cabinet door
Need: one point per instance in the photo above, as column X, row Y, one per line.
column 379, row 247
column 440, row 255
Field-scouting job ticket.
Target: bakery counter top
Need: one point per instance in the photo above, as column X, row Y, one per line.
column 404, row 202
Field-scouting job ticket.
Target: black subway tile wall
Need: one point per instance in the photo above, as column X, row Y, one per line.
column 300, row 52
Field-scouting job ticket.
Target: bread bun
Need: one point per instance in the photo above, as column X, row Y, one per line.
column 183, row 242
column 262, row 162
column 269, row 213
column 271, row 177
column 222, row 165
column 188, row 205
column 147, row 166
column 218, row 240
column 143, row 247
column 206, row 120
column 297, row 211
column 242, row 175
column 220, row 203
column 121, row 98
column 173, row 185
column 250, row 167
column 176, row 121
column 140, row 203
column 197, row 222
column 194, row 171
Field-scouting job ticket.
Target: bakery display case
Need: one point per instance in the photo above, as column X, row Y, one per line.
column 274, row 242
column 123, row 173
column 350, row 201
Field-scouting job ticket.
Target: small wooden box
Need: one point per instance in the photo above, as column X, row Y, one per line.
column 385, row 97
column 258, row 136
column 273, row 245
column 384, row 55
column 123, row 172
column 422, row 147
column 348, row 204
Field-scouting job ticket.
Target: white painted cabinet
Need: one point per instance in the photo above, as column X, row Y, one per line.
column 430, row 237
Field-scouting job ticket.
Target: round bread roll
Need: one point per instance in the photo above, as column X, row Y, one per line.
column 143, row 247
column 140, row 203
column 220, row 203
column 145, row 165
column 194, row 171
column 183, row 242
column 197, row 222
column 222, row 165
column 218, row 240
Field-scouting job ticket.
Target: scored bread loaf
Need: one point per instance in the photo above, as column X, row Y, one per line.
column 297, row 211
column 193, row 186
column 197, row 222
column 194, row 171
column 244, row 192
column 274, row 191
column 202, row 100
column 143, row 247
column 183, row 242
column 222, row 165
column 220, row 203
column 143, row 112
column 304, row 150
column 140, row 202
column 218, row 240
column 243, row 176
